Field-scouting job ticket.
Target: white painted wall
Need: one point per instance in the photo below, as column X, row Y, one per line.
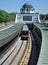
column 19, row 18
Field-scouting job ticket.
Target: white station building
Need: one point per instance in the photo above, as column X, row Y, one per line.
column 27, row 15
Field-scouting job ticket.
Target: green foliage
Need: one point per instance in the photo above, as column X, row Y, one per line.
column 2, row 16
column 6, row 17
column 41, row 17
column 44, row 17
column 13, row 14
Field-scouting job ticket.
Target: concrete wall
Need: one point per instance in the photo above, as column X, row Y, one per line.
column 19, row 18
column 9, row 38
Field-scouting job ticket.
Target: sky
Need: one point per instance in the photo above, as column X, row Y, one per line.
column 40, row 6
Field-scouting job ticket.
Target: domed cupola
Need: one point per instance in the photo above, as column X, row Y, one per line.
column 27, row 8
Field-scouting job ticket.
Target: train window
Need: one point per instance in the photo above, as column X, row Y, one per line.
column 27, row 18
column 24, row 32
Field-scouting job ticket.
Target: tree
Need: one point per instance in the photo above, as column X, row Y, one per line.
column 44, row 17
column 13, row 14
column 6, row 17
column 41, row 16
column 2, row 16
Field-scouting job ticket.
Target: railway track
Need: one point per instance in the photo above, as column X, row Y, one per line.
column 7, row 47
column 25, row 59
column 14, row 53
column 6, row 50
column 19, row 55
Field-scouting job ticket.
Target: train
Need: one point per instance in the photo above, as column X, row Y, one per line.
column 25, row 33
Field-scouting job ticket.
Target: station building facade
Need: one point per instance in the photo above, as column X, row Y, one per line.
column 27, row 15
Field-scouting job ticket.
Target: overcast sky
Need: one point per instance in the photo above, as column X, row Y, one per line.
column 15, row 5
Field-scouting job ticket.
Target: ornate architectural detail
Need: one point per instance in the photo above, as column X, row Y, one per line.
column 27, row 8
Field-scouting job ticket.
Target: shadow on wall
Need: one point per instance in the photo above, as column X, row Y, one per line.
column 36, row 44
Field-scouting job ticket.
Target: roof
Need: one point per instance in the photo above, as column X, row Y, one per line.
column 25, row 27
column 9, row 30
column 27, row 5
column 43, row 58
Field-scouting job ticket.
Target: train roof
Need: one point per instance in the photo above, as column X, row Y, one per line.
column 25, row 27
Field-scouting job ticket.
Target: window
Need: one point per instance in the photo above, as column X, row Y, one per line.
column 27, row 18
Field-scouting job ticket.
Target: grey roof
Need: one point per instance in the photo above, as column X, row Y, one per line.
column 25, row 27
column 27, row 5
column 43, row 58
column 6, row 32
